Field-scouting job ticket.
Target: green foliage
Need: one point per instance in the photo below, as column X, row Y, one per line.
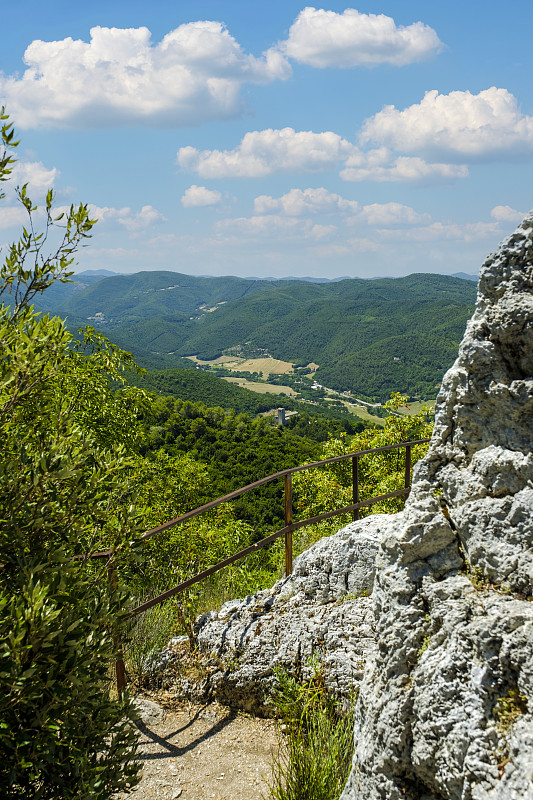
column 63, row 477
column 509, row 708
column 235, row 451
column 318, row 491
column 61, row 734
column 148, row 634
column 371, row 337
column 317, row 748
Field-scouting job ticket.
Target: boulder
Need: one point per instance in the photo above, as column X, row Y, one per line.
column 321, row 613
column 445, row 706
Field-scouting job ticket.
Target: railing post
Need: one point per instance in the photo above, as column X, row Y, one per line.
column 355, row 485
column 288, row 520
column 120, row 669
column 408, row 467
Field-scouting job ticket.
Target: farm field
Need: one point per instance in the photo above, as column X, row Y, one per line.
column 417, row 405
column 362, row 412
column 262, row 388
column 268, row 366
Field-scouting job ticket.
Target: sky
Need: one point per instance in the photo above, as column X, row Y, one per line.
column 233, row 137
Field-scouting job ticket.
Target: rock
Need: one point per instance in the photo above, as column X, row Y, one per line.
column 148, row 712
column 445, row 706
column 323, row 609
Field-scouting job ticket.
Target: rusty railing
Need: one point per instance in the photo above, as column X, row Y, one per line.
column 286, row 531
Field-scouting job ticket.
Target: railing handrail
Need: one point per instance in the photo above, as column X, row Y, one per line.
column 261, row 482
column 287, row 530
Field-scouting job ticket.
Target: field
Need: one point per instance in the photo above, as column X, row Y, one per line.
column 417, row 406
column 363, row 413
column 268, row 366
column 262, row 388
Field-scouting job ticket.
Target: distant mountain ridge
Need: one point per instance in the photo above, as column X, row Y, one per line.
column 368, row 336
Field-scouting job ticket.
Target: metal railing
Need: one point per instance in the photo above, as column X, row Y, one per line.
column 286, row 531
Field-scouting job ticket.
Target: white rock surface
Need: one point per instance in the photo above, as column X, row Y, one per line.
column 323, row 609
column 445, row 707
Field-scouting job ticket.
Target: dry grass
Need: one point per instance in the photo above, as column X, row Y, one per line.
column 262, row 388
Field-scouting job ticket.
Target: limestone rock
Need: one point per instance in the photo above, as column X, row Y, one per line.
column 322, row 609
column 445, row 707
column 148, row 712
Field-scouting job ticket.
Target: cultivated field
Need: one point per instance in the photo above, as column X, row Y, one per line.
column 362, row 412
column 268, row 366
column 262, row 388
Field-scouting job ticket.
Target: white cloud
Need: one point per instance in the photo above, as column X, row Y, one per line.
column 326, row 39
column 262, row 153
column 272, row 225
column 267, row 152
column 299, row 202
column 381, row 166
column 120, row 78
column 507, row 214
column 304, row 201
column 12, row 216
column 391, row 214
column 196, row 196
column 441, row 231
column 35, row 174
column 459, row 124
column 147, row 216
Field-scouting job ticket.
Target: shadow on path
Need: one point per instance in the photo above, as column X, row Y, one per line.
column 168, row 749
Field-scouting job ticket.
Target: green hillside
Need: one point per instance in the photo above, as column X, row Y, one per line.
column 369, row 336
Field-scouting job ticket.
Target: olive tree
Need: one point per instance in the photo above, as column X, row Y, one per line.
column 66, row 441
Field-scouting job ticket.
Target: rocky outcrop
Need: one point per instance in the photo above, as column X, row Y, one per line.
column 445, row 707
column 320, row 612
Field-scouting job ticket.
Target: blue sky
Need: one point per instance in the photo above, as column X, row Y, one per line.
column 233, row 137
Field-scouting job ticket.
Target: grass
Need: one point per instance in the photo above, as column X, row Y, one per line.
column 316, row 752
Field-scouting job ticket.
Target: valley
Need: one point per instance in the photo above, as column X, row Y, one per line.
column 367, row 337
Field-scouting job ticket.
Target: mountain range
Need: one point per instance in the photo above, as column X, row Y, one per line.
column 368, row 336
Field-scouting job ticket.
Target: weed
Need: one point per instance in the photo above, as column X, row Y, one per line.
column 149, row 633
column 315, row 756
column 509, row 708
column 424, row 646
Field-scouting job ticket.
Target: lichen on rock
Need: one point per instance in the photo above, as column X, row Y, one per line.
column 323, row 610
column 454, row 575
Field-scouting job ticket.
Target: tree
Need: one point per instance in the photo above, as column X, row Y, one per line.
column 317, row 491
column 66, row 443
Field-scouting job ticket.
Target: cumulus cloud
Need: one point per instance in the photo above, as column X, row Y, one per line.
column 275, row 225
column 323, row 38
column 132, row 221
column 147, row 216
column 299, row 202
column 382, row 166
column 441, row 231
column 392, row 214
column 120, row 77
column 196, row 196
column 12, row 216
column 271, row 151
column 262, row 153
column 304, row 201
column 35, row 174
column 458, row 125
column 507, row 214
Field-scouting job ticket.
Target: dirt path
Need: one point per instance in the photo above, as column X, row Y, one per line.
column 203, row 753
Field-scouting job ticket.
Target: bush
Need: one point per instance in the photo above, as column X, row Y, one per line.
column 316, row 753
column 61, row 733
column 65, row 439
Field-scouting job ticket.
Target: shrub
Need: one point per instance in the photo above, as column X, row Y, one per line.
column 316, row 752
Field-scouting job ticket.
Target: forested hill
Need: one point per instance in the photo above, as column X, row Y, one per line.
column 369, row 336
